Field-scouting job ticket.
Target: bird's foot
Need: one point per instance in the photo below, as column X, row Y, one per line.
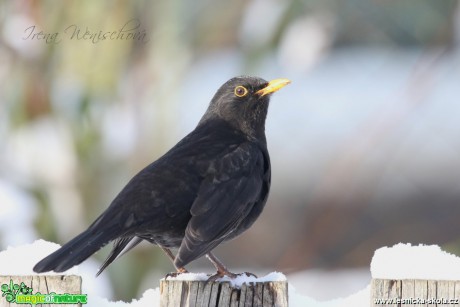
column 229, row 274
column 221, row 274
column 249, row 274
column 175, row 274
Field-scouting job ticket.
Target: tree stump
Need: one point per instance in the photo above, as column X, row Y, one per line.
column 46, row 288
column 415, row 292
column 186, row 293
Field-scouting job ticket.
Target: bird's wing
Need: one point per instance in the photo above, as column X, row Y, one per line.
column 226, row 196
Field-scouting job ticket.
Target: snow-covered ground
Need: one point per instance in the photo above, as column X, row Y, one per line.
column 402, row 261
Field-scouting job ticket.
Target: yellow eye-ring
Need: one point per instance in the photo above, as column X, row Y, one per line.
column 241, row 91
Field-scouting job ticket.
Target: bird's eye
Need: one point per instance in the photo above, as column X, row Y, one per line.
column 241, row 91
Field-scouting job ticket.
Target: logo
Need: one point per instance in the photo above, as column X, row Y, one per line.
column 22, row 294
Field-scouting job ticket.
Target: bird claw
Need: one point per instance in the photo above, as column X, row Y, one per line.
column 175, row 274
column 231, row 275
column 249, row 274
column 218, row 275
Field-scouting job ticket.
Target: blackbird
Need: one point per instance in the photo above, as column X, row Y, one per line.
column 209, row 188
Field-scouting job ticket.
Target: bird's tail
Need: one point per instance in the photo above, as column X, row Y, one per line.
column 75, row 251
column 120, row 247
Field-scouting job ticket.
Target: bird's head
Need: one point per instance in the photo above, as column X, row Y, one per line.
column 243, row 103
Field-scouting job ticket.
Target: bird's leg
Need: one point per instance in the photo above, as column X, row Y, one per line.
column 170, row 255
column 221, row 268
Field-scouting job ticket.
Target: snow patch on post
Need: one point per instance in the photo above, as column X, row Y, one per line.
column 414, row 275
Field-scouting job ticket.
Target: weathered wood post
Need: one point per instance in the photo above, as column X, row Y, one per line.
column 185, row 293
column 415, row 292
column 47, row 290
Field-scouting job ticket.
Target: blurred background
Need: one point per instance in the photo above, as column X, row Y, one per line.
column 364, row 143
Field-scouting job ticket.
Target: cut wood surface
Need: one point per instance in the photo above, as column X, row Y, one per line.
column 182, row 293
column 415, row 292
column 43, row 284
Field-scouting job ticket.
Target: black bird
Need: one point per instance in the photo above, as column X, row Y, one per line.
column 207, row 189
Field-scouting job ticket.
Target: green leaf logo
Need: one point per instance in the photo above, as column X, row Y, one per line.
column 9, row 292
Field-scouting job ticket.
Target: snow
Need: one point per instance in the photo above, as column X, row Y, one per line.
column 20, row 260
column 150, row 298
column 189, row 276
column 244, row 279
column 402, row 261
column 236, row 282
column 405, row 261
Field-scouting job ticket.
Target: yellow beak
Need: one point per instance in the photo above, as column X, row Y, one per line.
column 273, row 86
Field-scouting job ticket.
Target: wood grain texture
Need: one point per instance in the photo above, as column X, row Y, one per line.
column 178, row 293
column 415, row 292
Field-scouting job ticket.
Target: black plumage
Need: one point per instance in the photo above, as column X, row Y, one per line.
column 207, row 189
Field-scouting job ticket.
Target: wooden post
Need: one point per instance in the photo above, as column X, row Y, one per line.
column 185, row 293
column 43, row 284
column 415, row 292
